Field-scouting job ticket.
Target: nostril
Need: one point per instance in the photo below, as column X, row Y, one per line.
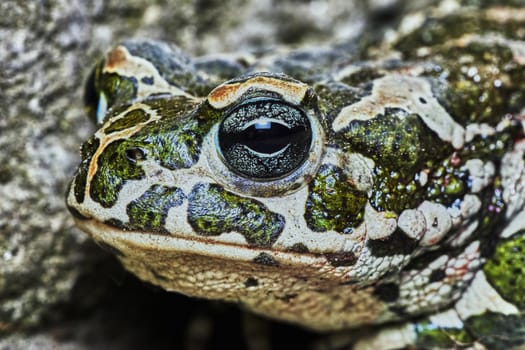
column 135, row 154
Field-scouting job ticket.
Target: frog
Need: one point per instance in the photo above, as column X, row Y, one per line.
column 376, row 189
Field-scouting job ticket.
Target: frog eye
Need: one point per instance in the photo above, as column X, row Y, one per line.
column 264, row 138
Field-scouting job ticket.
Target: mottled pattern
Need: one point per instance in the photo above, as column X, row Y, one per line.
column 149, row 211
column 404, row 207
column 213, row 211
column 333, row 203
column 505, row 269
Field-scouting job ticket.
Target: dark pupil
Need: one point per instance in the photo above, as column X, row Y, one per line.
column 266, row 137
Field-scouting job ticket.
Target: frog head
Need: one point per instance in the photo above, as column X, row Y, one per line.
column 266, row 189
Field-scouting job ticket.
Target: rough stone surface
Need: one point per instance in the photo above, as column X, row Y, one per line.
column 56, row 287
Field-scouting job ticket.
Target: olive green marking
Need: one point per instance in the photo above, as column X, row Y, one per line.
column 395, row 192
column 498, row 331
column 118, row 90
column 492, row 147
column 397, row 140
column 87, row 151
column 447, row 182
column 505, row 270
column 334, row 203
column 132, row 118
column 174, row 142
column 149, row 211
column 114, row 169
column 401, row 145
column 212, row 211
column 478, row 83
column 431, row 336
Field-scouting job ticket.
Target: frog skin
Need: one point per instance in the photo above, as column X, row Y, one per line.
column 342, row 188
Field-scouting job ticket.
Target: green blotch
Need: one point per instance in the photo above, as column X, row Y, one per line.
column 333, row 202
column 492, row 147
column 149, row 211
column 114, row 169
column 397, row 140
column 131, row 119
column 394, row 191
column 212, row 211
column 86, row 153
column 431, row 336
column 447, row 182
column 479, row 82
column 174, row 142
column 498, row 331
column 401, row 145
column 505, row 270
column 118, row 90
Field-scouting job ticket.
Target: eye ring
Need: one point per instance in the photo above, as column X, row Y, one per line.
column 264, row 138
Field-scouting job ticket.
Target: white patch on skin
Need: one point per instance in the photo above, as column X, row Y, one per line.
column 481, row 297
column 412, row 223
column 478, row 129
column 359, row 170
column 423, row 178
column 379, row 225
column 370, row 268
column 513, row 179
column 481, row 174
column 438, row 222
column 465, row 234
column 356, row 166
column 176, row 220
column 470, row 206
column 517, row 223
column 446, row 319
column 438, row 263
column 397, row 91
